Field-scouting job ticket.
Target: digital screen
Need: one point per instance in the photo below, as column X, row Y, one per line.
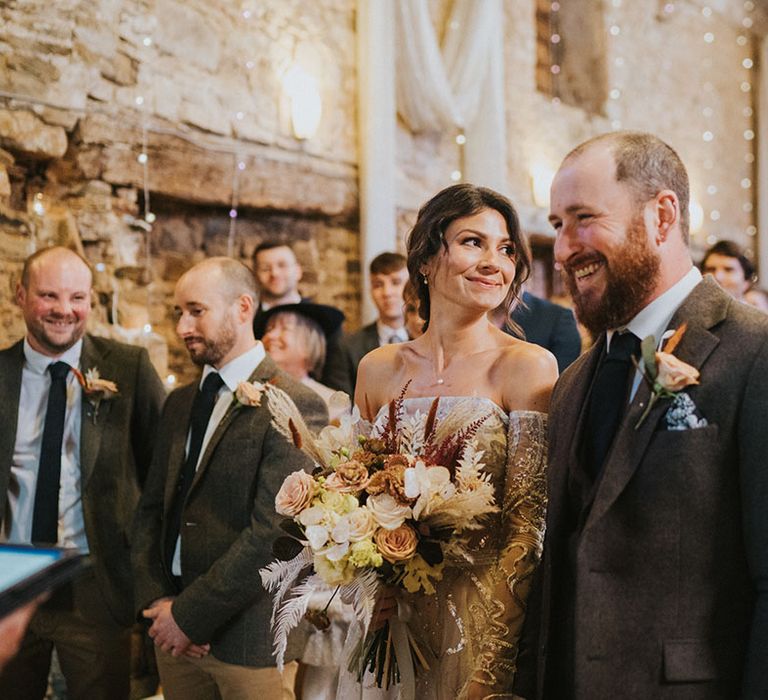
column 19, row 563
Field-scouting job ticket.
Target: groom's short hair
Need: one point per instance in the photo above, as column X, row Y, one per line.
column 648, row 165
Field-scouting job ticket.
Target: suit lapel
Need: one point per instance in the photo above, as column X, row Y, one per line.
column 11, row 365
column 90, row 427
column 704, row 307
column 265, row 371
column 574, row 392
column 178, row 442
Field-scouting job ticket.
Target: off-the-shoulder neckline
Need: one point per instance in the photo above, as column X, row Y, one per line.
column 484, row 399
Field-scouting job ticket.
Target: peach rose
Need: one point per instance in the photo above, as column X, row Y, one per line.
column 398, row 544
column 674, row 374
column 249, row 393
column 295, row 494
column 349, row 477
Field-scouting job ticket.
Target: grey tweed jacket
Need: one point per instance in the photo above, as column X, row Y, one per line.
column 228, row 523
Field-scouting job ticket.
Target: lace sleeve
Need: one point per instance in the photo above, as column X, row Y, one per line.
column 522, row 523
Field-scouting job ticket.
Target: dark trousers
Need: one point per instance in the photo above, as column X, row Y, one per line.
column 94, row 651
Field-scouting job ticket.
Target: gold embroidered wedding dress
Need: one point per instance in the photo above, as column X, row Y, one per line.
column 472, row 624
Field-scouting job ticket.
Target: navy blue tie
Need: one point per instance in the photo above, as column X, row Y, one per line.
column 202, row 407
column 45, row 519
column 608, row 400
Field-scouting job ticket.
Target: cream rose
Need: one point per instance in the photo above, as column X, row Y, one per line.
column 387, row 512
column 249, row 393
column 674, row 374
column 349, row 477
column 361, row 524
column 295, row 494
column 398, row 544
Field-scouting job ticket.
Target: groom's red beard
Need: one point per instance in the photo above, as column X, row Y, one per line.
column 631, row 275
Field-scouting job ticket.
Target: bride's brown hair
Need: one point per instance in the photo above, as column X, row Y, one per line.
column 428, row 235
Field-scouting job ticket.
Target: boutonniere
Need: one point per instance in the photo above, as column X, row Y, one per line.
column 95, row 388
column 249, row 393
column 665, row 374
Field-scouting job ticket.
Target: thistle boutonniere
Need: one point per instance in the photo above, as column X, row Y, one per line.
column 665, row 374
column 249, row 393
column 95, row 388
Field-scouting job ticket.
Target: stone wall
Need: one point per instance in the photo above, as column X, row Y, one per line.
column 91, row 88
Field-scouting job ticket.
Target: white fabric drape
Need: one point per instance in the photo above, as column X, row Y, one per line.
column 459, row 86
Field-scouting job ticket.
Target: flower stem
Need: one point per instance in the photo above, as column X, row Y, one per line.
column 651, row 402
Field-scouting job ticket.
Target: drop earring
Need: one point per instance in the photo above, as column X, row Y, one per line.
column 425, row 280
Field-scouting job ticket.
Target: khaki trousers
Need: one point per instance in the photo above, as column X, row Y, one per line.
column 183, row 678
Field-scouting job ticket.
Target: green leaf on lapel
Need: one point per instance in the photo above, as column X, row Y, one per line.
column 648, row 348
column 286, row 548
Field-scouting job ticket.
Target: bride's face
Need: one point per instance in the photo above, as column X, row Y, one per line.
column 478, row 265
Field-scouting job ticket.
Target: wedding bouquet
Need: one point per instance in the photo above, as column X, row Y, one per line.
column 391, row 504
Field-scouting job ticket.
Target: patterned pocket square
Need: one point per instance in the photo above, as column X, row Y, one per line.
column 683, row 414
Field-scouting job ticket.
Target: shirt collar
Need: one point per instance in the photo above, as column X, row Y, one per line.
column 38, row 362
column 295, row 298
column 240, row 369
column 386, row 332
column 654, row 318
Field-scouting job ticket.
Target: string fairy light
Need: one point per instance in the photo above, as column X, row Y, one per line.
column 616, row 89
column 708, row 136
column 555, row 49
column 746, row 64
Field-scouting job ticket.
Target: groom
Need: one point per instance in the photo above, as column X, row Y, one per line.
column 654, row 581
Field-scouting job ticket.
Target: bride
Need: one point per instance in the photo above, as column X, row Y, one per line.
column 467, row 256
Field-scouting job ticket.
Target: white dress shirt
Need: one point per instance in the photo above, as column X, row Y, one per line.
column 235, row 371
column 387, row 334
column 654, row 319
column 33, row 404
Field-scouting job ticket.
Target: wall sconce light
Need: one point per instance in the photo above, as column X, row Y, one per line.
column 541, row 181
column 696, row 214
column 306, row 105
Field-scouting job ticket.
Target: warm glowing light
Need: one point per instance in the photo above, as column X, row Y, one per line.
column 306, row 103
column 541, row 180
column 696, row 213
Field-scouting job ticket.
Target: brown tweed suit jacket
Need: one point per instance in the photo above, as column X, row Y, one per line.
column 228, row 523
column 115, row 452
column 671, row 570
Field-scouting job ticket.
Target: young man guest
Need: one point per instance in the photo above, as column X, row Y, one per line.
column 73, row 460
column 206, row 521
column 726, row 262
column 388, row 276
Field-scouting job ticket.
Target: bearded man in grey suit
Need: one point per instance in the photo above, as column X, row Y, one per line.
column 654, row 581
column 207, row 520
column 74, row 455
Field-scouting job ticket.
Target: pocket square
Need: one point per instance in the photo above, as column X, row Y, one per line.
column 683, row 414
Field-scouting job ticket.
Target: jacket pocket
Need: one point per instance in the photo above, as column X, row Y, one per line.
column 687, row 660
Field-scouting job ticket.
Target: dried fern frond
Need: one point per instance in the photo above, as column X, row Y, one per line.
column 460, row 414
column 288, row 421
column 465, row 510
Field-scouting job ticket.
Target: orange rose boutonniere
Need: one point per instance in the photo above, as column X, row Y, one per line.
column 95, row 388
column 249, row 393
column 665, row 374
